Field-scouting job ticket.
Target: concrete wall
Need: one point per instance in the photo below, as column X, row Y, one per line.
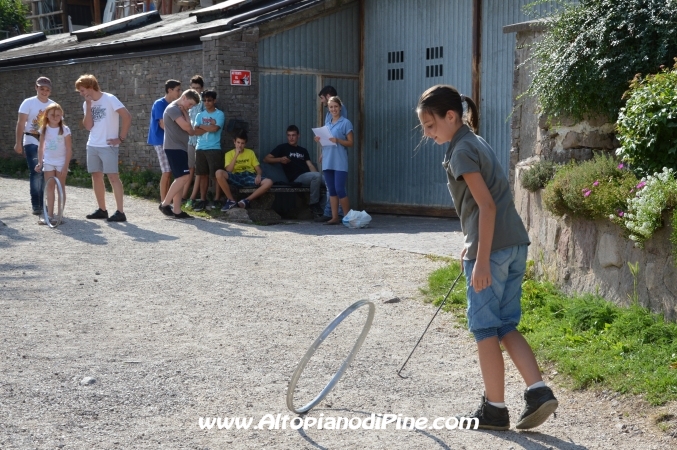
column 580, row 255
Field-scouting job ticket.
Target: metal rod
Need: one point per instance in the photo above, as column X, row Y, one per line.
column 431, row 321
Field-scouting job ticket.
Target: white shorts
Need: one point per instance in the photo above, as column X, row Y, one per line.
column 46, row 167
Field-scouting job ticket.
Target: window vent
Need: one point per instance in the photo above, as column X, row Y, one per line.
column 433, row 71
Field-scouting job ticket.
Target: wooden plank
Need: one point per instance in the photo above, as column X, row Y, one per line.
column 40, row 16
column 477, row 53
column 97, row 12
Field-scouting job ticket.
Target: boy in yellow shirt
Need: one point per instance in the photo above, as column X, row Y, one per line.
column 242, row 170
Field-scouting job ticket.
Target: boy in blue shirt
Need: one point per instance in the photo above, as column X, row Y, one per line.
column 156, row 132
column 209, row 157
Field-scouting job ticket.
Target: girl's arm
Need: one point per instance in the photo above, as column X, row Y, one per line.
column 68, row 141
column 481, row 274
column 347, row 142
column 41, row 151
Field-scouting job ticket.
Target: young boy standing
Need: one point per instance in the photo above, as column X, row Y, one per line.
column 103, row 114
column 28, row 136
column 242, row 170
column 156, row 131
column 209, row 157
column 177, row 130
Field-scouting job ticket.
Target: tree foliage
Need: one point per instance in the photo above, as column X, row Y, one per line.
column 13, row 15
column 594, row 48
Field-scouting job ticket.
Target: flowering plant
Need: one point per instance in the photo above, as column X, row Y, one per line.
column 653, row 195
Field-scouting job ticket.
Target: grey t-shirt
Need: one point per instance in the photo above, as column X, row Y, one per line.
column 175, row 137
column 470, row 153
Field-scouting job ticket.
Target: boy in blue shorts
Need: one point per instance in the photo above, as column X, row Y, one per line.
column 494, row 257
column 242, row 170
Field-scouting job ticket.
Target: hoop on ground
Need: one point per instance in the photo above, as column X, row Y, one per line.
column 59, row 203
column 337, row 376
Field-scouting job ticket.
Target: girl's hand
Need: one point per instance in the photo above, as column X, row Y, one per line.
column 63, row 172
column 334, row 140
column 317, row 138
column 38, row 168
column 481, row 276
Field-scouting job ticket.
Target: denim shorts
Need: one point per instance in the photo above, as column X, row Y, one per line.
column 496, row 310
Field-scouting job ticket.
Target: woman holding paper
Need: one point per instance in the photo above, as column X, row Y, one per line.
column 335, row 159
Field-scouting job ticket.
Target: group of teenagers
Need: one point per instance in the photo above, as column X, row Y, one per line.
column 495, row 239
column 186, row 129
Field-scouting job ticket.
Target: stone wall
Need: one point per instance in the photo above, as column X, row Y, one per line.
column 587, row 256
column 137, row 82
column 580, row 256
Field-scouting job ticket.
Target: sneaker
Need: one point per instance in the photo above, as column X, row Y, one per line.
column 98, row 214
column 199, row 205
column 215, row 204
column 244, row 203
column 322, row 219
column 184, row 201
column 118, row 217
column 183, row 215
column 540, row 403
column 230, row 204
column 490, row 417
column 166, row 210
column 37, row 211
column 190, row 203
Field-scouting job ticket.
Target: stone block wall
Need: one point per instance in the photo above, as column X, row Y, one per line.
column 137, row 82
column 580, row 256
column 584, row 256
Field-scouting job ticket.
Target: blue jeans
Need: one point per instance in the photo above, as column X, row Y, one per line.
column 496, row 310
column 31, row 152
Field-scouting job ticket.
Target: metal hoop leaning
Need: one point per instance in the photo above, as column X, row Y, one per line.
column 337, row 376
column 59, row 200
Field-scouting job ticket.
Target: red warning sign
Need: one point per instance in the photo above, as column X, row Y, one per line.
column 241, row 77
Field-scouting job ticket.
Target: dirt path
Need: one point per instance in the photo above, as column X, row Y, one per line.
column 181, row 320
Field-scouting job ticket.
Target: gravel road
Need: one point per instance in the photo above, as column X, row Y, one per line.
column 125, row 335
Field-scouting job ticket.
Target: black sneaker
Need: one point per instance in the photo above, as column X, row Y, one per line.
column 98, row 214
column 199, row 205
column 166, row 210
column 489, row 417
column 322, row 219
column 541, row 402
column 37, row 211
column 183, row 215
column 118, row 217
column 316, row 209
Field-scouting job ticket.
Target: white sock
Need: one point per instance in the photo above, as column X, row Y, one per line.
column 537, row 385
column 497, row 404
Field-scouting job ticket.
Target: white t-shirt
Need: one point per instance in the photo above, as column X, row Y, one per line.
column 106, row 120
column 35, row 109
column 55, row 146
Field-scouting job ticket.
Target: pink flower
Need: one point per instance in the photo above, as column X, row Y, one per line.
column 587, row 193
column 620, row 166
column 596, row 183
column 641, row 185
column 620, row 213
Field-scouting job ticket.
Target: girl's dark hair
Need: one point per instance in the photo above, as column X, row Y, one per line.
column 439, row 99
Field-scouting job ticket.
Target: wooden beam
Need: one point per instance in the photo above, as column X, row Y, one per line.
column 64, row 16
column 97, row 12
column 410, row 210
column 40, row 16
column 477, row 53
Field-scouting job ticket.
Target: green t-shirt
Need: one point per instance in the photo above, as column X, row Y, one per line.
column 470, row 153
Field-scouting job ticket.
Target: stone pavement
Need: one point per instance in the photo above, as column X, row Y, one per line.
column 425, row 235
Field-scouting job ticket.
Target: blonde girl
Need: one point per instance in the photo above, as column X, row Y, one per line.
column 54, row 153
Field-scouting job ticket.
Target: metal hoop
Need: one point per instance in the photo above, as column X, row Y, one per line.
column 60, row 203
column 337, row 376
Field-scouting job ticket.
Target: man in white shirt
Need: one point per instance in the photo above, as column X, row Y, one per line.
column 28, row 136
column 103, row 114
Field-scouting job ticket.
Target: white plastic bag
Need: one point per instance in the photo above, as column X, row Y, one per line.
column 356, row 219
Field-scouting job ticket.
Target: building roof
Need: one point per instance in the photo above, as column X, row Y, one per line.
column 173, row 30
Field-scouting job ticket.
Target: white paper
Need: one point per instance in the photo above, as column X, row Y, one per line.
column 324, row 134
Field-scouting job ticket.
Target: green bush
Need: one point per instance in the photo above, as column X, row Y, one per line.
column 13, row 14
column 593, row 49
column 593, row 189
column 647, row 125
column 538, row 175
